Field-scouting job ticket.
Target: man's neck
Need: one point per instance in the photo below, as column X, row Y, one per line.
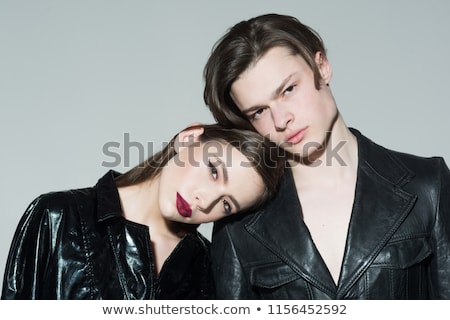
column 337, row 164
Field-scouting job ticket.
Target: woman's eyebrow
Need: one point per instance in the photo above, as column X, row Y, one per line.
column 225, row 179
column 224, row 169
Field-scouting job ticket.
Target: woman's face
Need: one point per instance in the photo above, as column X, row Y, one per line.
column 207, row 181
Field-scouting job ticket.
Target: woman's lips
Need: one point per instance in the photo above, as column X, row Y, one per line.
column 184, row 209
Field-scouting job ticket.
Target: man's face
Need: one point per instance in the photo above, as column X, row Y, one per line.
column 279, row 97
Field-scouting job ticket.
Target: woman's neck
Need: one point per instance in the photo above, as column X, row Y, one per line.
column 140, row 205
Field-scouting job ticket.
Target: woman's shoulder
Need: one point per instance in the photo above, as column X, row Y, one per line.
column 56, row 200
column 56, row 204
column 46, row 202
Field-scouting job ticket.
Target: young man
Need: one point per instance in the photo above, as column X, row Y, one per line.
column 351, row 220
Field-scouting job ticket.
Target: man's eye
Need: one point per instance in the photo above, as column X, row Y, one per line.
column 213, row 169
column 226, row 206
column 257, row 114
column 289, row 89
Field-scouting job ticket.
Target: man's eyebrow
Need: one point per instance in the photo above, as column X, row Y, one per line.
column 280, row 88
column 274, row 95
column 225, row 179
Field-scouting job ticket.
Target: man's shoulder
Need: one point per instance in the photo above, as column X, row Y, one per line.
column 392, row 161
column 233, row 224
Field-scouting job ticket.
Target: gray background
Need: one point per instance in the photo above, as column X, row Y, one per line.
column 76, row 75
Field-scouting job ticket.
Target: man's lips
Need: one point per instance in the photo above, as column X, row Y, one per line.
column 184, row 209
column 296, row 136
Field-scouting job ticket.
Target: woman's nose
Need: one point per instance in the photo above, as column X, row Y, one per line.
column 206, row 199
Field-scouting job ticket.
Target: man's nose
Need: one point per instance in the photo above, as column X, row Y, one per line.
column 281, row 117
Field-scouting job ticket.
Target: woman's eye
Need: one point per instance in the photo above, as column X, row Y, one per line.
column 213, row 169
column 226, row 207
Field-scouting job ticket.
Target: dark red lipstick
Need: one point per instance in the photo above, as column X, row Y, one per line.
column 184, row 209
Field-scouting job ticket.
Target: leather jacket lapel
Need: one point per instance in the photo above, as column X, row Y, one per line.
column 281, row 222
column 380, row 206
column 378, row 211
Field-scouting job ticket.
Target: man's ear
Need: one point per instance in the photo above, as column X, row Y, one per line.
column 188, row 136
column 324, row 67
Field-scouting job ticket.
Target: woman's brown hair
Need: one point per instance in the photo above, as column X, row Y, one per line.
column 263, row 155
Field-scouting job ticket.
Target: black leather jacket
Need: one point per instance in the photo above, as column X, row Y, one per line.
column 77, row 245
column 398, row 242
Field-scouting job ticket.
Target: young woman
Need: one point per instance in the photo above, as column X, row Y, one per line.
column 134, row 236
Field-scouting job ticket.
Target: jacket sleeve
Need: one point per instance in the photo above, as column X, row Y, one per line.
column 440, row 264
column 230, row 280
column 29, row 253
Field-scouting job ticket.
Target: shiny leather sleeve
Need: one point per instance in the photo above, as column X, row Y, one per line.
column 440, row 264
column 29, row 252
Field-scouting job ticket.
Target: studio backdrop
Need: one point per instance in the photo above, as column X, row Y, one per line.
column 92, row 85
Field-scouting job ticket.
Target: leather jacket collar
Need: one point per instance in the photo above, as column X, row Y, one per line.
column 108, row 204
